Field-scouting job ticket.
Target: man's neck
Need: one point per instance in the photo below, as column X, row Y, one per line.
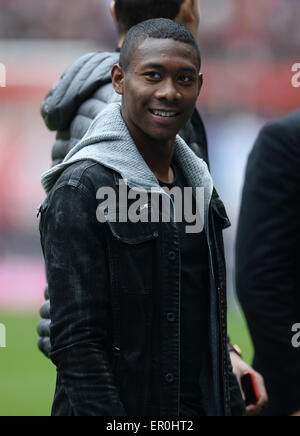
column 158, row 157
column 157, row 154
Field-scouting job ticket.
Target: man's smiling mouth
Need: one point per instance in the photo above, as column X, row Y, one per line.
column 164, row 113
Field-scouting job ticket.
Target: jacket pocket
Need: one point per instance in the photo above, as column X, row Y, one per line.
column 132, row 249
column 133, row 269
column 133, row 233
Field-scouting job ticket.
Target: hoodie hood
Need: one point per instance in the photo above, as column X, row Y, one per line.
column 79, row 82
column 109, row 143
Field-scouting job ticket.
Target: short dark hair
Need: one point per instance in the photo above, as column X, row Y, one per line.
column 132, row 12
column 160, row 28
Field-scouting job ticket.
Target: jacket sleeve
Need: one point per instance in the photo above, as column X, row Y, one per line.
column 268, row 263
column 77, row 273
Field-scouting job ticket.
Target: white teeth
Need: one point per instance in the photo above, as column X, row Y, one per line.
column 164, row 114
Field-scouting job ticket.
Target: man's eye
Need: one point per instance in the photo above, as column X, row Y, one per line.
column 186, row 79
column 153, row 75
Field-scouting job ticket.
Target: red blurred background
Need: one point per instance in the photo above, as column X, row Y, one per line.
column 248, row 48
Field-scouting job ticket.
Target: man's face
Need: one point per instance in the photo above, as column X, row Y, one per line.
column 160, row 88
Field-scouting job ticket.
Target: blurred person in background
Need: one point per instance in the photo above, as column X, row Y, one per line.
column 86, row 89
column 267, row 260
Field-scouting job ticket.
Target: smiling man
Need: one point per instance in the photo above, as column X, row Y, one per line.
column 138, row 310
column 161, row 80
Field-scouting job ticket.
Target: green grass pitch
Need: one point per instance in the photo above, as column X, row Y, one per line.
column 27, row 378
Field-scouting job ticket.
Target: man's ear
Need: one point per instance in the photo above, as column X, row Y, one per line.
column 200, row 82
column 186, row 14
column 112, row 8
column 118, row 76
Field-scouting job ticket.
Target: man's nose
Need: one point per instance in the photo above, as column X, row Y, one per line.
column 168, row 91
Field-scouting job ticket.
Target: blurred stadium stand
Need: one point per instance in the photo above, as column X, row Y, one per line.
column 248, row 49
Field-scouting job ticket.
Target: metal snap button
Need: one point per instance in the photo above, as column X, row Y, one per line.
column 171, row 317
column 172, row 255
column 170, row 378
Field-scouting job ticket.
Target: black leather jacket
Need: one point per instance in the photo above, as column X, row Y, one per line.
column 69, row 108
column 102, row 327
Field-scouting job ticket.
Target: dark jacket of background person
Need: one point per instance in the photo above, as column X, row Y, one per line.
column 84, row 91
column 268, row 280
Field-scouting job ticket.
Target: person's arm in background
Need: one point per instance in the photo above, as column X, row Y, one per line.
column 77, row 273
column 268, row 262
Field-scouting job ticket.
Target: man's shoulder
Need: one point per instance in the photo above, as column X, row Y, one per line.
column 283, row 130
column 74, row 195
column 290, row 122
column 87, row 176
column 278, row 142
